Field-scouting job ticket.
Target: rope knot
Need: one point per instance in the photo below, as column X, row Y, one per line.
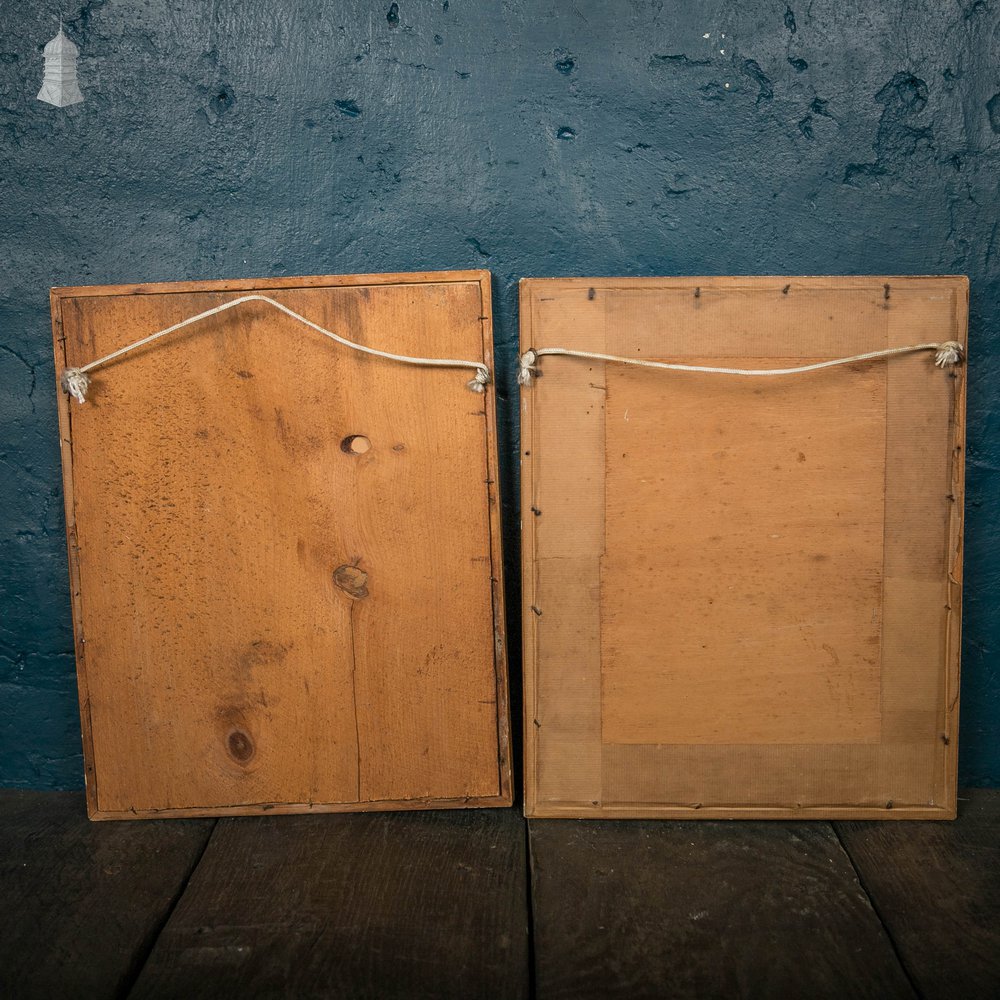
column 527, row 370
column 76, row 382
column 948, row 353
column 480, row 380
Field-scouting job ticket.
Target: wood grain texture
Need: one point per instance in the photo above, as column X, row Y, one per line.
column 401, row 905
column 645, row 909
column 83, row 903
column 937, row 889
column 742, row 597
column 285, row 555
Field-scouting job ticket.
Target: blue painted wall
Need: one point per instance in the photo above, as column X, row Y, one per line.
column 231, row 139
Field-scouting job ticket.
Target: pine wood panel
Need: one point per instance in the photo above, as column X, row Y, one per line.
column 644, row 910
column 285, row 554
column 84, row 903
column 405, row 905
column 742, row 597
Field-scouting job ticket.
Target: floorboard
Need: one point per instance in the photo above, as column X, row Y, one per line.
column 435, row 904
column 82, row 901
column 652, row 909
column 936, row 886
column 423, row 904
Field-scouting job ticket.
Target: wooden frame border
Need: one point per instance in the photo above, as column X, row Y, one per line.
column 480, row 277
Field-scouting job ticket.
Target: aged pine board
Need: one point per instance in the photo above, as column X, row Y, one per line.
column 668, row 909
column 83, row 902
column 742, row 597
column 430, row 904
column 286, row 569
column 937, row 889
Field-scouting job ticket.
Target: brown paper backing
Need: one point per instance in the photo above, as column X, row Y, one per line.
column 742, row 596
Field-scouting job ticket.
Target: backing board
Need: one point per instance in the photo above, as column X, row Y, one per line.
column 285, row 555
column 742, row 595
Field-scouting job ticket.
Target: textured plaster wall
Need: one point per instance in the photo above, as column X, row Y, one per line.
column 230, row 139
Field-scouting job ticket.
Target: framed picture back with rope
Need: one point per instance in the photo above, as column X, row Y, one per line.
column 742, row 545
column 284, row 541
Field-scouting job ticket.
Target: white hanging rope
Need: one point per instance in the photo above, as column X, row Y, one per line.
column 947, row 353
column 75, row 381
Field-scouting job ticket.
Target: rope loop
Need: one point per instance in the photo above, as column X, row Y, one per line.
column 946, row 354
column 527, row 369
column 76, row 382
column 480, row 380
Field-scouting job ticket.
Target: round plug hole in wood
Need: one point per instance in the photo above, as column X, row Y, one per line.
column 355, row 444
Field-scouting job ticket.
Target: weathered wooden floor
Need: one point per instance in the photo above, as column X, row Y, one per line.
column 479, row 904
